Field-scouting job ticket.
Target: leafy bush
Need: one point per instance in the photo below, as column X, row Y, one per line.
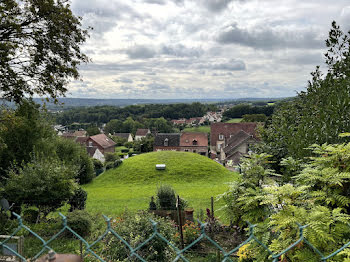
column 7, row 225
column 166, row 198
column 109, row 165
column 125, row 150
column 30, row 215
column 86, row 172
column 97, row 164
column 117, row 163
column 110, row 157
column 77, row 201
column 190, row 231
column 128, row 145
column 80, row 221
column 135, row 229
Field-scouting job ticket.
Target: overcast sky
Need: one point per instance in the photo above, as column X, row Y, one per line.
column 203, row 48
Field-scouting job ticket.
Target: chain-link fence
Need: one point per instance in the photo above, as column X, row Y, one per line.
column 133, row 251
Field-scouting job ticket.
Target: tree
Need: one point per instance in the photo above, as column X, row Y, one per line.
column 93, row 130
column 21, row 131
column 322, row 112
column 39, row 48
column 46, row 184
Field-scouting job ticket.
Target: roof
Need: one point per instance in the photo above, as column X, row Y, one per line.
column 230, row 129
column 80, row 133
column 187, row 138
column 173, row 139
column 103, row 140
column 81, row 140
column 142, row 132
column 122, row 135
column 236, row 140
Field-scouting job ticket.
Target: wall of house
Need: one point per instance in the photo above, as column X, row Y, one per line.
column 109, row 150
column 197, row 149
column 139, row 137
column 166, row 148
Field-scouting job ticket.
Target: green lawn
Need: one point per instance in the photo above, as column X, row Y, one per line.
column 234, row 120
column 203, row 129
column 195, row 178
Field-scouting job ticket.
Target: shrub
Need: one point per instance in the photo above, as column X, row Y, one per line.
column 152, row 204
column 77, row 201
column 80, row 221
column 111, row 157
column 109, row 165
column 97, row 164
column 125, row 150
column 117, row 163
column 7, row 226
column 135, row 229
column 30, row 215
column 129, row 144
column 166, row 198
column 86, row 172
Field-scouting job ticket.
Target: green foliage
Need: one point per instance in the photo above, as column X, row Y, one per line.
column 318, row 197
column 80, row 221
column 78, row 199
column 97, row 164
column 240, row 110
column 48, row 37
column 144, row 145
column 109, row 165
column 166, row 198
column 21, row 131
column 110, row 157
column 30, row 215
column 46, row 184
column 320, row 114
column 117, row 163
column 135, row 229
column 254, row 118
column 93, row 130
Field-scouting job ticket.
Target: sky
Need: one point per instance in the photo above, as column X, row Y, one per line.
column 163, row 49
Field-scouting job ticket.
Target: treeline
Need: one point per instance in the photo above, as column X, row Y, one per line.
column 246, row 109
column 103, row 114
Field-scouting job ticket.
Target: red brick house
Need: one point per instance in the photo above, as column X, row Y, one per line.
column 102, row 142
column 194, row 142
column 187, row 142
column 230, row 141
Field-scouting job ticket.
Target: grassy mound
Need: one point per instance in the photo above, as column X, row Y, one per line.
column 194, row 177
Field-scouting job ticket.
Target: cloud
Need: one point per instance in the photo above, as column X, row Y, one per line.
column 124, row 80
column 270, row 38
column 216, row 5
column 158, row 87
column 180, row 50
column 230, row 65
column 140, row 52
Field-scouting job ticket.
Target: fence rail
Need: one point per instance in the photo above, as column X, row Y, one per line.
column 227, row 255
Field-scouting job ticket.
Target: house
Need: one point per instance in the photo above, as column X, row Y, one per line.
column 127, row 136
column 229, row 141
column 167, row 141
column 186, row 142
column 80, row 133
column 94, row 152
column 102, row 142
column 194, row 142
column 140, row 133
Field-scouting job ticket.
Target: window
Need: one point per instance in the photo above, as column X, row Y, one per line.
column 194, row 151
column 186, row 150
column 166, row 142
column 221, row 137
column 90, row 144
column 194, row 142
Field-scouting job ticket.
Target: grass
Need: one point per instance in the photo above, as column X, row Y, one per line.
column 234, row 120
column 194, row 177
column 203, row 129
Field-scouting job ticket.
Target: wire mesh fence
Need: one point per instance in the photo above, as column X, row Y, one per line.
column 227, row 256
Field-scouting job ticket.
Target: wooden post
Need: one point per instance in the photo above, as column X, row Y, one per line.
column 180, row 221
column 212, row 206
column 81, row 250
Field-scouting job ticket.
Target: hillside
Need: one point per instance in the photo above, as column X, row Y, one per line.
column 195, row 178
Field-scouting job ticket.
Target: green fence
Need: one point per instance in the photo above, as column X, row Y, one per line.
column 180, row 253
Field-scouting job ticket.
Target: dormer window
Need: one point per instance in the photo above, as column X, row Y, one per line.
column 166, row 142
column 221, row 137
column 194, row 142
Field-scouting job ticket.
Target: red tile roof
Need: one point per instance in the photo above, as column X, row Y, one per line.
column 228, row 129
column 103, row 140
column 187, row 138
